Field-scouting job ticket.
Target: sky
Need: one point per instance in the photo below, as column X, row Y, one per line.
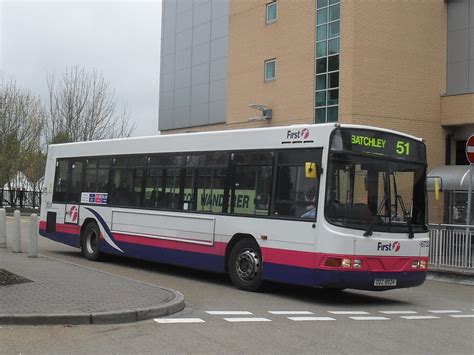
column 121, row 39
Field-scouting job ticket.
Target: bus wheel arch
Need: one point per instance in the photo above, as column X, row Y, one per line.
column 90, row 239
column 244, row 262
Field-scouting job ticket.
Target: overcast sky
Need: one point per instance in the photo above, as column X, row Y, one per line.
column 119, row 38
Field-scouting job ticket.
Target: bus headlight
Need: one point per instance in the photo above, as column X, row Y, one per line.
column 346, row 263
column 418, row 264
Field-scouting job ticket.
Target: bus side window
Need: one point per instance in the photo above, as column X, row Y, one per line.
column 127, row 181
column 90, row 179
column 162, row 183
column 204, row 183
column 251, row 183
column 103, row 175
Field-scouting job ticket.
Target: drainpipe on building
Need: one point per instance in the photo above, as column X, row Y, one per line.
column 447, row 161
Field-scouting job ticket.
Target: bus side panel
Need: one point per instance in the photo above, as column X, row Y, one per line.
column 197, row 229
column 158, row 250
column 68, row 234
column 166, row 255
column 161, row 237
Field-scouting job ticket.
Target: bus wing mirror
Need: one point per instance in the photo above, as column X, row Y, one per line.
column 435, row 184
column 311, row 170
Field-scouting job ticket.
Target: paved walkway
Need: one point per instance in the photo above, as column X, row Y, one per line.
column 65, row 293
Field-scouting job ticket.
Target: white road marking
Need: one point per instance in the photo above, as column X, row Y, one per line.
column 419, row 317
column 235, row 320
column 178, row 320
column 398, row 312
column 302, row 319
column 370, row 318
column 229, row 313
column 348, row 312
column 462, row 315
column 290, row 312
column 355, row 315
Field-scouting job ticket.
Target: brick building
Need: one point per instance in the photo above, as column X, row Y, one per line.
column 403, row 65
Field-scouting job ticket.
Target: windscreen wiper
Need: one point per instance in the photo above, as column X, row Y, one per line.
column 411, row 235
column 407, row 215
column 369, row 230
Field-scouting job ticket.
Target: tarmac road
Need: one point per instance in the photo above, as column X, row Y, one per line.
column 434, row 318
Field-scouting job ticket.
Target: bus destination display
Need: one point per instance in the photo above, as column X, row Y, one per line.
column 378, row 143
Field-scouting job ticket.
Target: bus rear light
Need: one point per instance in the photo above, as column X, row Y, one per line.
column 414, row 264
column 346, row 263
column 333, row 262
column 423, row 264
column 357, row 263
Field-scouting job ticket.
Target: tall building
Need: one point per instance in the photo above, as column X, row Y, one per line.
column 194, row 49
column 403, row 65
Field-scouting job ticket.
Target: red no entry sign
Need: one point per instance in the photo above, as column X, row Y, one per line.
column 470, row 149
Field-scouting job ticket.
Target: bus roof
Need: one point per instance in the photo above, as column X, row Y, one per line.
column 250, row 138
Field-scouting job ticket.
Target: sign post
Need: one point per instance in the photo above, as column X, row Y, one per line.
column 470, row 158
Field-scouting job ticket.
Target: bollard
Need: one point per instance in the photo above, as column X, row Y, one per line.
column 16, row 232
column 3, row 228
column 33, row 245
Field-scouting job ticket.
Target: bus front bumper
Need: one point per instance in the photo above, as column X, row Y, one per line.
column 337, row 279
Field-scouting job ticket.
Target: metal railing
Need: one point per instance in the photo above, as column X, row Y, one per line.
column 20, row 199
column 451, row 246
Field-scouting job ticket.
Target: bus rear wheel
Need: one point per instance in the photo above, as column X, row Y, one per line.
column 91, row 242
column 245, row 265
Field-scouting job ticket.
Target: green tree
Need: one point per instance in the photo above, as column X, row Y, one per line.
column 21, row 125
column 33, row 168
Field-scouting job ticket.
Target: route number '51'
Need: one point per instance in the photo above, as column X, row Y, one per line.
column 403, row 148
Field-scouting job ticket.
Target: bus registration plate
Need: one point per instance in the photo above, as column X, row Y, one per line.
column 385, row 282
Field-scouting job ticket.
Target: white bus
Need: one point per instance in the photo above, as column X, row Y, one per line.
column 332, row 205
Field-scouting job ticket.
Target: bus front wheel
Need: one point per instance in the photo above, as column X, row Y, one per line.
column 90, row 242
column 245, row 265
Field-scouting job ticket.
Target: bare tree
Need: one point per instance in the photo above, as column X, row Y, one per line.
column 82, row 107
column 21, row 123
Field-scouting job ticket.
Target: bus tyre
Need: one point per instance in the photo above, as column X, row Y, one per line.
column 245, row 265
column 91, row 241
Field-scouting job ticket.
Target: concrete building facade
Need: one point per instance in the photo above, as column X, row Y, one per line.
column 403, row 65
column 193, row 77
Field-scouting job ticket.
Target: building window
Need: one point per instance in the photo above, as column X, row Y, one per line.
column 271, row 12
column 270, row 70
column 327, row 61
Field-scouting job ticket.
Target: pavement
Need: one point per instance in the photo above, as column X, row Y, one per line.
column 462, row 277
column 65, row 293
